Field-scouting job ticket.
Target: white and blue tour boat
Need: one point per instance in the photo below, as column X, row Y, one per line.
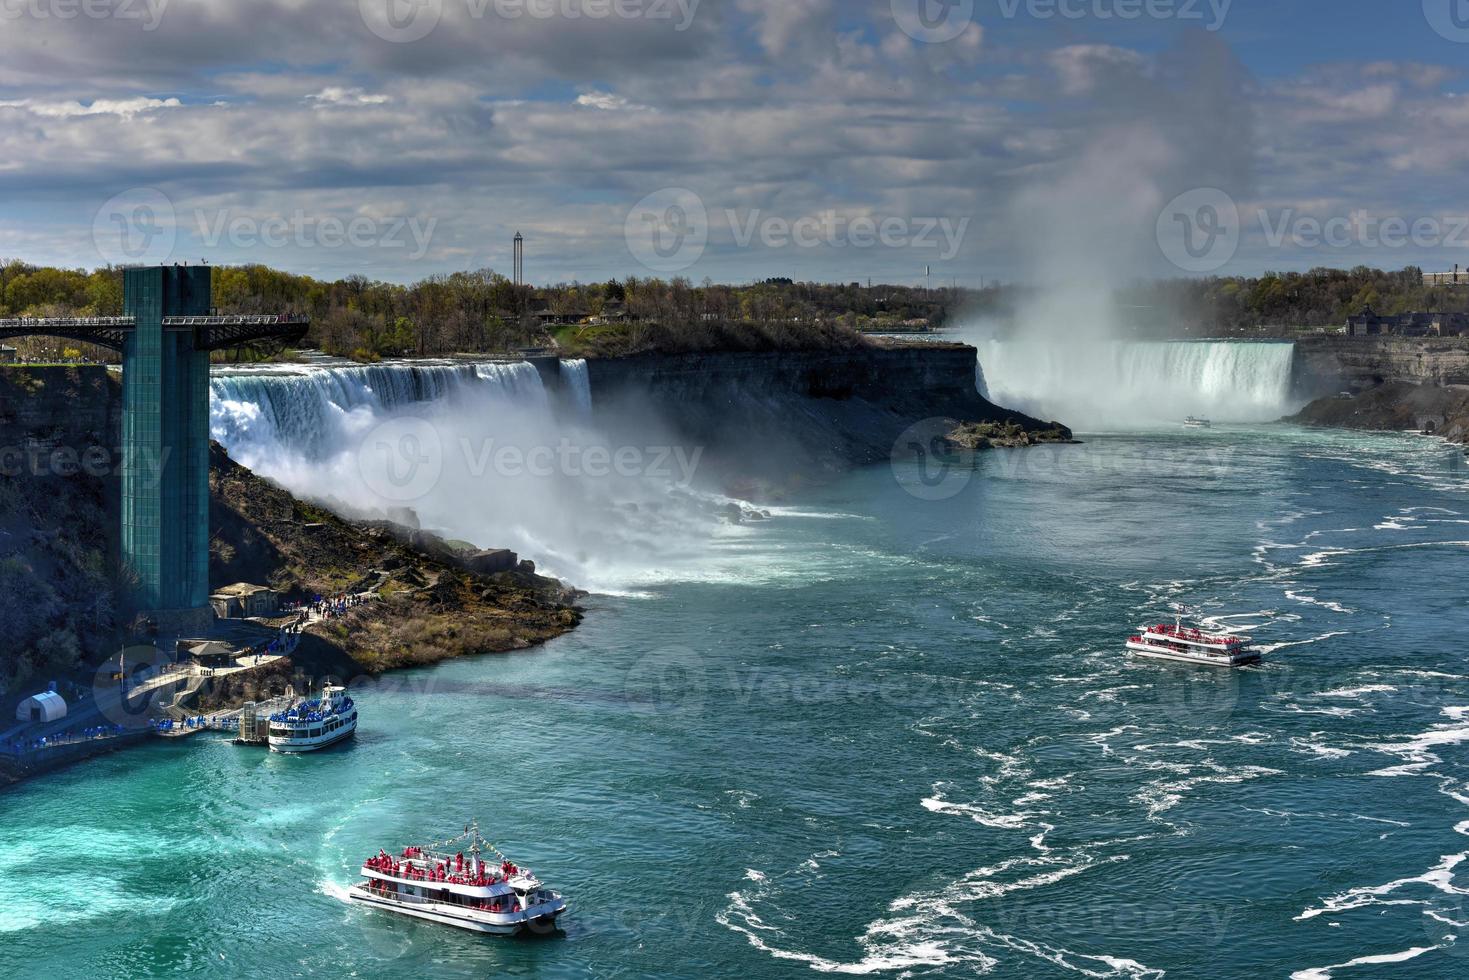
column 314, row 724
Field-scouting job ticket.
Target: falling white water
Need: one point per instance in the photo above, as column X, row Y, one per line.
column 579, row 382
column 1128, row 385
column 506, row 469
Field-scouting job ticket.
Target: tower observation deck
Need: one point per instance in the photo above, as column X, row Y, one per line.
column 165, row 337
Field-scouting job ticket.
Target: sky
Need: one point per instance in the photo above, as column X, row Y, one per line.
column 909, row 141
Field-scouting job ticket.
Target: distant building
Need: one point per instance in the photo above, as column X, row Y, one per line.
column 212, row 653
column 245, row 601
column 1455, row 278
column 8, row 355
column 46, row 706
column 1369, row 323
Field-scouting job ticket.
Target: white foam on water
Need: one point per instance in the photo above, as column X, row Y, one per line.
column 1439, row 878
column 1327, row 972
column 927, row 928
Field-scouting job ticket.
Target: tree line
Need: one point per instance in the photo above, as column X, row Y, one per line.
column 478, row 312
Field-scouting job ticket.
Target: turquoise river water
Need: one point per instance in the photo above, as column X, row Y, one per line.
column 880, row 735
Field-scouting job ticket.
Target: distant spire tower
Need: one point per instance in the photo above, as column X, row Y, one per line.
column 519, row 259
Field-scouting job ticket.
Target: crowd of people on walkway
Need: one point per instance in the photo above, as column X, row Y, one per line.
column 20, row 746
column 330, row 607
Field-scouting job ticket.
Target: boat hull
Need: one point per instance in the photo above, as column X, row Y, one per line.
column 448, row 915
column 302, row 747
column 1202, row 660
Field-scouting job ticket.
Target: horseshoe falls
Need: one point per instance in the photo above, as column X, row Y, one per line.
column 1139, row 385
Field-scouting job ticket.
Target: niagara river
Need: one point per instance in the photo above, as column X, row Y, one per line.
column 888, row 732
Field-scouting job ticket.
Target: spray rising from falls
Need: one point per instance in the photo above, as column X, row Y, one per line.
column 1101, row 385
column 480, row 453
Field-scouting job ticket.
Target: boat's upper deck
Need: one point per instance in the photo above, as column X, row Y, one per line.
column 1195, row 638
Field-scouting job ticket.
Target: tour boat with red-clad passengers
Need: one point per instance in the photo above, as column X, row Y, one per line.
column 459, row 889
column 1194, row 646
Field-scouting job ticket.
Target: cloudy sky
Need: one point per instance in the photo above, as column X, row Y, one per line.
column 737, row 139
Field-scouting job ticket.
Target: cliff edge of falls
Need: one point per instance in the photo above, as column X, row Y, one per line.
column 435, row 602
column 768, row 419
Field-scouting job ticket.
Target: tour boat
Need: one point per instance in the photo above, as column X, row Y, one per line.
column 459, row 889
column 309, row 726
column 1194, row 423
column 1193, row 646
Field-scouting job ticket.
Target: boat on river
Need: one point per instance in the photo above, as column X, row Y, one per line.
column 1186, row 644
column 1196, row 423
column 458, row 887
column 313, row 724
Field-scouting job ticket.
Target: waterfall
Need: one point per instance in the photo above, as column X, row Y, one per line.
column 476, row 453
column 311, row 410
column 1091, row 385
column 579, row 382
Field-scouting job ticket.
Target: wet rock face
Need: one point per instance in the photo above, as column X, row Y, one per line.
column 1327, row 366
column 778, row 418
column 1395, row 407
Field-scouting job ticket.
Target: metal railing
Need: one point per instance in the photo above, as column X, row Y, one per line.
column 66, row 322
column 263, row 320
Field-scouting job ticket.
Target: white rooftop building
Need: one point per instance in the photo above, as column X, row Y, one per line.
column 46, row 706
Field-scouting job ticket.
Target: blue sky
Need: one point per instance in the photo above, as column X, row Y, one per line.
column 738, row 139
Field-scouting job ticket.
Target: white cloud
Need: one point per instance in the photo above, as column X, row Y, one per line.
column 608, row 102
column 99, row 107
column 336, row 95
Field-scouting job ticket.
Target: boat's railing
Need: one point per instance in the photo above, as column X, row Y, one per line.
column 417, row 900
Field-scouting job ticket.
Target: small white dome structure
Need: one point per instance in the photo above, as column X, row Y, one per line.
column 46, row 706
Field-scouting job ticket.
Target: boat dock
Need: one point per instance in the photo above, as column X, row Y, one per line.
column 252, row 722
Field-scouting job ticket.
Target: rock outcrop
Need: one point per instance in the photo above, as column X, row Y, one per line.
column 776, row 418
column 1327, row 366
column 1395, row 407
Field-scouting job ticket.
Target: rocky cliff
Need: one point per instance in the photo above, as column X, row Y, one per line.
column 58, row 518
column 1330, row 365
column 778, row 417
